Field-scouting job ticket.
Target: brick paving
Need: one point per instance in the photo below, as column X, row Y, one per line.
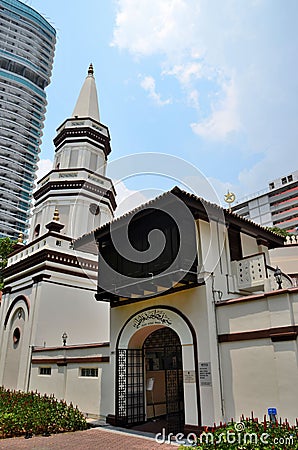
column 92, row 439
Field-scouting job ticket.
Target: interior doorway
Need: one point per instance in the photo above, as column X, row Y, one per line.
column 164, row 379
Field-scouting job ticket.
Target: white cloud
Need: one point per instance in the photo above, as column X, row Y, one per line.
column 44, row 166
column 147, row 27
column 224, row 118
column 148, row 84
column 193, row 98
column 127, row 199
column 200, row 43
column 185, row 73
column 176, row 30
column 257, row 177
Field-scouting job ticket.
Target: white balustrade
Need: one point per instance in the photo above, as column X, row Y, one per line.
column 292, row 240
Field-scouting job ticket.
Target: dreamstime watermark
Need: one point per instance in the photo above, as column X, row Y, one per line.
column 237, row 435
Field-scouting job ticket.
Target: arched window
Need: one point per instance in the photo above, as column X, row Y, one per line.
column 37, row 230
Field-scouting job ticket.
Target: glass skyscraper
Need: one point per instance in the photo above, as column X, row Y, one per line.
column 27, row 43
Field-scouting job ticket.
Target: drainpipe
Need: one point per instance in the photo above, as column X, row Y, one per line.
column 29, row 368
column 218, row 349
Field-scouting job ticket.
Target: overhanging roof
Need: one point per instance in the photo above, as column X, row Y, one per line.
column 200, row 208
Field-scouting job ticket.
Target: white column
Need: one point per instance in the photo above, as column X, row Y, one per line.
column 189, row 385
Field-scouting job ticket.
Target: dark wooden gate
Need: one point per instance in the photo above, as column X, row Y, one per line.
column 130, row 395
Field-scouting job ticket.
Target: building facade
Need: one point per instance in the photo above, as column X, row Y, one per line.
column 190, row 324
column 200, row 331
column 50, row 287
column 27, row 43
column 275, row 207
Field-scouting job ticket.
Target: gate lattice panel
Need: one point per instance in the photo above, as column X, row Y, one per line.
column 130, row 398
column 174, row 393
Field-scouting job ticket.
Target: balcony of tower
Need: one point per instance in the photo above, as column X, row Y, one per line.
column 18, row 187
column 19, row 173
column 10, row 194
column 84, row 122
column 13, row 218
column 22, row 107
column 15, row 190
column 284, row 194
column 15, row 214
column 11, row 231
column 75, row 180
column 24, row 43
column 89, row 130
column 38, row 97
column 15, row 93
column 10, row 162
column 24, row 159
column 12, row 199
column 16, row 139
column 289, row 225
column 29, row 28
column 12, row 122
column 19, row 67
column 15, row 177
column 21, row 134
column 27, row 56
column 53, row 250
column 24, row 104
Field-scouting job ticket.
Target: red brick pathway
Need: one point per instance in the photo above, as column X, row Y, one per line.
column 92, row 439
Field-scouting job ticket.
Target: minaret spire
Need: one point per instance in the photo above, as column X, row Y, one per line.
column 87, row 103
column 84, row 197
column 90, row 70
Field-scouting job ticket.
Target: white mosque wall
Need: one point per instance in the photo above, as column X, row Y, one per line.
column 260, row 372
column 74, row 374
column 63, row 303
column 72, row 310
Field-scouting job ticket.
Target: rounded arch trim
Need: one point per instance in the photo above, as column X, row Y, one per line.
column 192, row 332
column 19, row 298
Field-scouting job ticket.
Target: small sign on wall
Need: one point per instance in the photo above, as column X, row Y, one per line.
column 189, row 376
column 205, row 374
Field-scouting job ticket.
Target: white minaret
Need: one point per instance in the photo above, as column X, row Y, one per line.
column 49, row 286
column 77, row 185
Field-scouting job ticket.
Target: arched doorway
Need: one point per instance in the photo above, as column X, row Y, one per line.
column 132, row 367
column 164, row 378
column 149, row 381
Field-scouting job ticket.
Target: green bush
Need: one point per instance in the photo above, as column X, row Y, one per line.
column 248, row 434
column 30, row 413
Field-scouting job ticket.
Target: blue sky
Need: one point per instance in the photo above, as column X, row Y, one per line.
column 211, row 82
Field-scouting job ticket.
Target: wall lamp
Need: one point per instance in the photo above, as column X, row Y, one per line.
column 278, row 277
column 64, row 338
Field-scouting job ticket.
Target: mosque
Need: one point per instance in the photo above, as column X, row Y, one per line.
column 171, row 312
